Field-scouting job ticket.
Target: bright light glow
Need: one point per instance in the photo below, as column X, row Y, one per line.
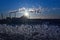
column 24, row 11
column 26, row 14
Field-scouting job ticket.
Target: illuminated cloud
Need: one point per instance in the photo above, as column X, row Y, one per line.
column 31, row 10
column 34, row 10
column 40, row 11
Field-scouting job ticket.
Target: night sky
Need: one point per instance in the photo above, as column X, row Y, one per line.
column 50, row 8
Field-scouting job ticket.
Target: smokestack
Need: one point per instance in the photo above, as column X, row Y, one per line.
column 15, row 15
column 10, row 15
column 1, row 15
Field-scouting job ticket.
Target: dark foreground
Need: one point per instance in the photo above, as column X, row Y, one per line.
column 29, row 21
column 47, row 29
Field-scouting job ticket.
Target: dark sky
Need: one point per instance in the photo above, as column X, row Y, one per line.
column 51, row 8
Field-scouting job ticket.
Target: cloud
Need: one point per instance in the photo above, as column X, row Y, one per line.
column 56, row 8
column 40, row 11
column 34, row 10
column 30, row 10
column 13, row 11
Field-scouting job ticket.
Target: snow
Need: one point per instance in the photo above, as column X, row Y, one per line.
column 36, row 31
